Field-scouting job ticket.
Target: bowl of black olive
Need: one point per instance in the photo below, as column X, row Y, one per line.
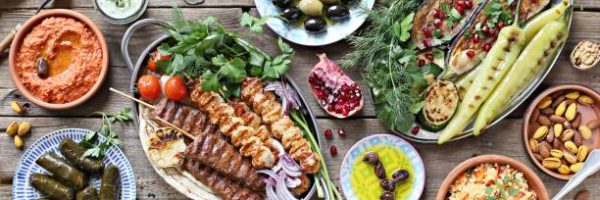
column 314, row 22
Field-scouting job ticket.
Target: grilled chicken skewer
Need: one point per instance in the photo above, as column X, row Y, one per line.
column 242, row 136
column 282, row 127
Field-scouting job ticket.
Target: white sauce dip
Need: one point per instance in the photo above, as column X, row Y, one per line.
column 111, row 9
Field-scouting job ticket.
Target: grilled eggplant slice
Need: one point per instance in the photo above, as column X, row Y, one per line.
column 441, row 101
column 479, row 37
column 73, row 152
column 62, row 170
column 89, row 193
column 50, row 187
column 438, row 21
column 110, row 183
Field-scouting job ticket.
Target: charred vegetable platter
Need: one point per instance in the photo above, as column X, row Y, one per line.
column 220, row 120
column 451, row 69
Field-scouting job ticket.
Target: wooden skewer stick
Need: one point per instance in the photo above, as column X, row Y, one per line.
column 189, row 135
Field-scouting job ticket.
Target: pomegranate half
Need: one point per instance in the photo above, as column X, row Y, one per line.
column 337, row 94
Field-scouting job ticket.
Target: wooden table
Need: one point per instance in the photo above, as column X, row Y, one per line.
column 503, row 139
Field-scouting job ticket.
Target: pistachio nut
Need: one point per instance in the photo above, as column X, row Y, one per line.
column 550, row 136
column 560, row 110
column 544, row 120
column 24, row 128
column 551, row 163
column 567, row 135
column 538, row 157
column 558, row 144
column 563, row 169
column 556, row 153
column 540, row 133
column 557, row 119
column 547, row 111
column 567, row 125
column 534, row 145
column 573, row 95
column 571, row 146
column 582, row 153
column 586, row 132
column 19, row 143
column 569, row 157
column 558, row 129
column 571, row 112
column 17, row 107
column 577, row 121
column 12, row 129
column 545, row 102
column 585, row 100
column 577, row 138
column 593, row 124
column 576, row 167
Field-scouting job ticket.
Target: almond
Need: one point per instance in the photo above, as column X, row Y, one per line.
column 543, row 120
column 593, row 124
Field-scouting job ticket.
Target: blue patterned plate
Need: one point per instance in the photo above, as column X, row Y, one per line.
column 395, row 153
column 22, row 190
column 296, row 33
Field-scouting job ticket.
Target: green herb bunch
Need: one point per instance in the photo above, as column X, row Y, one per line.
column 204, row 49
column 389, row 61
column 111, row 137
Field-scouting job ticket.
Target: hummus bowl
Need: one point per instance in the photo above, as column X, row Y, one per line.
column 58, row 59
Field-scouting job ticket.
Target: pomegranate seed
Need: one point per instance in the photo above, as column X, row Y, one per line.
column 427, row 43
column 442, row 15
column 342, row 132
column 460, row 10
column 429, row 56
column 471, row 53
column 437, row 22
column 460, row 3
column 426, row 32
column 487, row 47
column 500, row 25
column 421, row 62
column 492, row 32
column 436, row 13
column 476, row 38
column 468, row 4
column 485, row 29
column 333, row 150
column 328, row 134
column 415, row 130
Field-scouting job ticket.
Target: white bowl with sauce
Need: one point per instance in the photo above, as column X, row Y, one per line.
column 126, row 13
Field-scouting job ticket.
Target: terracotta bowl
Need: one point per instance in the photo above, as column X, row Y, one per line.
column 532, row 179
column 530, row 124
column 26, row 28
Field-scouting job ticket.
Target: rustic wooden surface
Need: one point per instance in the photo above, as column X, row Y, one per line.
column 503, row 139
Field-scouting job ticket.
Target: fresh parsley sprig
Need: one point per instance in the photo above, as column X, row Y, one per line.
column 111, row 137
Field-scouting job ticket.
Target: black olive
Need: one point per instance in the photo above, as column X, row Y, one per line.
column 337, row 12
column 281, row 3
column 380, row 170
column 400, row 175
column 387, row 195
column 42, row 68
column 371, row 158
column 387, row 185
column 291, row 14
column 314, row 24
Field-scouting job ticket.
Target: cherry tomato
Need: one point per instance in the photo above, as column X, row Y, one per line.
column 155, row 57
column 149, row 87
column 175, row 88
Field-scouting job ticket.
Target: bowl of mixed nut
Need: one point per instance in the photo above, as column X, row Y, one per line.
column 561, row 127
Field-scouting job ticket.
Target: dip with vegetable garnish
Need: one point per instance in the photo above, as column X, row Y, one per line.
column 120, row 9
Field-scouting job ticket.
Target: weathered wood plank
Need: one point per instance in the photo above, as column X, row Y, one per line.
column 33, row 4
column 504, row 139
column 304, row 59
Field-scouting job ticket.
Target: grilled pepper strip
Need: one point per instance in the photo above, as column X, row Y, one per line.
column 62, row 170
column 495, row 65
column 535, row 57
column 110, row 183
column 552, row 14
column 74, row 154
column 89, row 193
column 50, row 187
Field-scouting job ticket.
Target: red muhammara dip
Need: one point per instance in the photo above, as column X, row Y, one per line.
column 73, row 56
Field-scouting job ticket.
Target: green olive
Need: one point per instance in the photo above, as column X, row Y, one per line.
column 311, row 7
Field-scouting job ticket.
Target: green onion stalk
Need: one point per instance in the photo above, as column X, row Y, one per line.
column 330, row 186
